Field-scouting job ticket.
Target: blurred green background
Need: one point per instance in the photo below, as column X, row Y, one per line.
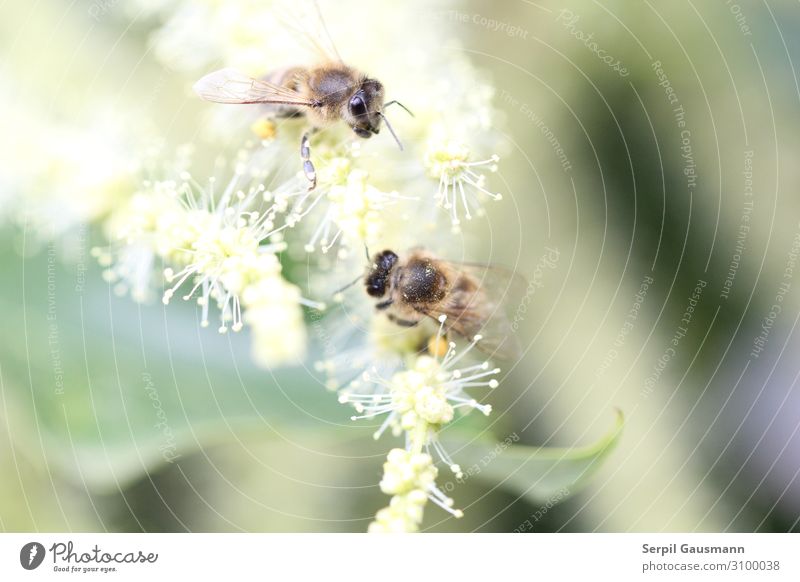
column 652, row 208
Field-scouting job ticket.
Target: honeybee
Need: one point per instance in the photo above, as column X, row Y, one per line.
column 422, row 285
column 324, row 93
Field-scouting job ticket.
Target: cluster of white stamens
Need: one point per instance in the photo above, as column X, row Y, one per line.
column 429, row 392
column 224, row 245
column 417, row 402
column 461, row 185
column 351, row 208
column 410, row 478
column 225, row 253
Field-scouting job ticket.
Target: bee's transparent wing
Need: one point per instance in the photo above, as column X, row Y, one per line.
column 231, row 86
column 304, row 18
column 485, row 307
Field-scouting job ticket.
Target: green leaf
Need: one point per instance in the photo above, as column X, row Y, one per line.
column 107, row 390
column 540, row 474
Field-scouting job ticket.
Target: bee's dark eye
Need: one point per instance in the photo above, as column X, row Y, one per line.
column 376, row 288
column 357, row 106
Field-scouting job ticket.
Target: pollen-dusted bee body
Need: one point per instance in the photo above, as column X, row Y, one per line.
column 334, row 91
column 324, row 93
column 424, row 286
column 421, row 281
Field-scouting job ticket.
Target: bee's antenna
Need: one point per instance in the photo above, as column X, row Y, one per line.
column 396, row 102
column 394, row 135
column 350, row 284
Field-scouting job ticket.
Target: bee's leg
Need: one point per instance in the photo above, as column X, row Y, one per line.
column 401, row 322
column 305, row 155
column 384, row 304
